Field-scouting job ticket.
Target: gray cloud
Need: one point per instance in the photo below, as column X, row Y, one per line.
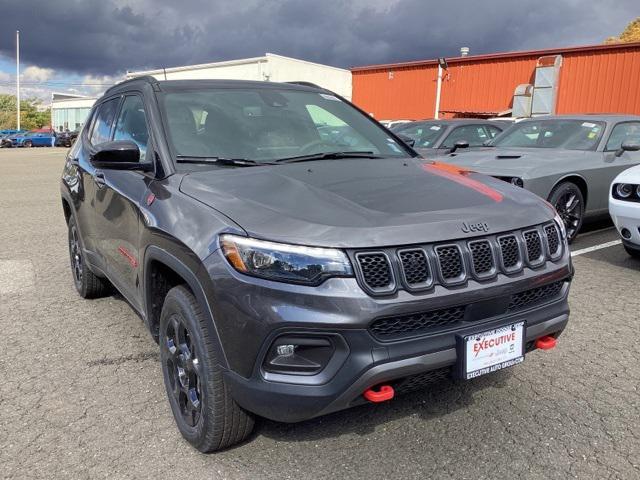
column 103, row 37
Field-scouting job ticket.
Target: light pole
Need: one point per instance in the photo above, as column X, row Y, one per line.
column 442, row 66
column 18, row 76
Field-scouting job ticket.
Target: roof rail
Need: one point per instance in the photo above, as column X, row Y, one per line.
column 305, row 84
column 146, row 78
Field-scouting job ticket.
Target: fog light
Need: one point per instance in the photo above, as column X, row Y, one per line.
column 285, row 350
column 298, row 355
column 626, row 234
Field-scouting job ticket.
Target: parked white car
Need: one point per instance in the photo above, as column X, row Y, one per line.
column 624, row 208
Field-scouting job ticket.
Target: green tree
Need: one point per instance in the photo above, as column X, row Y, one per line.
column 32, row 114
column 630, row 34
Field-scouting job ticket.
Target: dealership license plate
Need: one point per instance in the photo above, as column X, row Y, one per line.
column 493, row 350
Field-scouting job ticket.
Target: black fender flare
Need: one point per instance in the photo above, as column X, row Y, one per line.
column 158, row 254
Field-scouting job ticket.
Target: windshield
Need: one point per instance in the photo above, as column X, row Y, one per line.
column 556, row 133
column 425, row 134
column 267, row 124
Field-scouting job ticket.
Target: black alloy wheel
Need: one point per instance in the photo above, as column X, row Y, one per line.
column 86, row 282
column 569, row 203
column 183, row 370
column 75, row 254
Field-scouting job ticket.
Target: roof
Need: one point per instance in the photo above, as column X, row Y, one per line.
column 604, row 117
column 219, row 83
column 493, row 56
column 227, row 63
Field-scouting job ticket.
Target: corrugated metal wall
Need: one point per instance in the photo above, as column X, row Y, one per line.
column 597, row 79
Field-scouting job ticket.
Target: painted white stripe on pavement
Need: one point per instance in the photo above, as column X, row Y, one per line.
column 596, row 247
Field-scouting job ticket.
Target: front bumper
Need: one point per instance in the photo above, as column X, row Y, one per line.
column 626, row 214
column 251, row 313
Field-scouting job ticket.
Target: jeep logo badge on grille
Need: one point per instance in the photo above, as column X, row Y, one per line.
column 475, row 227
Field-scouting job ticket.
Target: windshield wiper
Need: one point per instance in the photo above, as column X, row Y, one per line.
column 238, row 162
column 328, row 156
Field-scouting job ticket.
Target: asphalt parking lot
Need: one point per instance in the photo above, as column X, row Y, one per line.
column 81, row 393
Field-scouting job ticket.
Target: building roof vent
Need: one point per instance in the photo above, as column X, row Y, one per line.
column 464, row 51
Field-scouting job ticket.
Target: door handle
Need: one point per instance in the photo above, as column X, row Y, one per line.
column 98, row 178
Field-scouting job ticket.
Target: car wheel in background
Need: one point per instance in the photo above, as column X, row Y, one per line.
column 27, row 144
column 632, row 252
column 86, row 282
column 569, row 203
column 204, row 411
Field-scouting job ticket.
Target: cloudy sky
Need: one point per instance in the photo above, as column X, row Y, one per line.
column 84, row 45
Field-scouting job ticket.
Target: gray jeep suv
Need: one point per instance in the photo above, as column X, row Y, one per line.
column 293, row 257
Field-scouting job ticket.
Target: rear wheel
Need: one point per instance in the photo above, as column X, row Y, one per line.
column 86, row 282
column 204, row 411
column 569, row 203
column 632, row 252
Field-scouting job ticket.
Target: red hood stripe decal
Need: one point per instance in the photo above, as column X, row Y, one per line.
column 461, row 177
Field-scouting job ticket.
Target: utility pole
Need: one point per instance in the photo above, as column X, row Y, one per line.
column 18, row 76
column 442, row 66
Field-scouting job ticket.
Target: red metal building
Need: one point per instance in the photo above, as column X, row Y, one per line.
column 592, row 79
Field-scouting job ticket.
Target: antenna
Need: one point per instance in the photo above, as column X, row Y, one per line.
column 18, row 77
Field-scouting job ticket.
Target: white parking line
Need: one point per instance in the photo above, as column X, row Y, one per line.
column 596, row 247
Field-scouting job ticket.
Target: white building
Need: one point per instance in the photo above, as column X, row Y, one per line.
column 270, row 67
column 69, row 112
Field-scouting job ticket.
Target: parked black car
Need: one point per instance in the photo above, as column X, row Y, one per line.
column 287, row 276
column 65, row 139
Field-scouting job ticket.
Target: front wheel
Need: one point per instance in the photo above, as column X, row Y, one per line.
column 27, row 144
column 569, row 203
column 204, row 410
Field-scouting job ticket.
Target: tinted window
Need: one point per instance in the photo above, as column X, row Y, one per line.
column 132, row 125
column 104, row 119
column 562, row 133
column 624, row 132
column 424, row 134
column 475, row 135
column 493, row 131
column 269, row 123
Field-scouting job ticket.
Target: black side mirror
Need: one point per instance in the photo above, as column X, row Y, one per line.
column 627, row 147
column 406, row 139
column 459, row 144
column 119, row 155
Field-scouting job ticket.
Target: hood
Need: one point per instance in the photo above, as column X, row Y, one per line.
column 510, row 161
column 364, row 202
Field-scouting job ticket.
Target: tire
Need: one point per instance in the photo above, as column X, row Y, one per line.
column 632, row 252
column 204, row 411
column 86, row 282
column 27, row 144
column 568, row 201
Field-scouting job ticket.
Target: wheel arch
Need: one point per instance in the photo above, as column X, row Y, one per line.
column 163, row 271
column 576, row 179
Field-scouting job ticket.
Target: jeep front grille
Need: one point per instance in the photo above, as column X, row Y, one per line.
column 400, row 327
column 421, row 267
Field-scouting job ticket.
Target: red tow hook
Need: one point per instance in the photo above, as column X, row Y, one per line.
column 382, row 395
column 546, row 343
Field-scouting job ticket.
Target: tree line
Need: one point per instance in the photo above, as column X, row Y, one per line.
column 32, row 115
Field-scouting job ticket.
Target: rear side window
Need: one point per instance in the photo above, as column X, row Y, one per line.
column 475, row 135
column 101, row 131
column 624, row 132
column 132, row 125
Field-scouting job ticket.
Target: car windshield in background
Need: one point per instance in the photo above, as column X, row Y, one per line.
column 424, row 134
column 265, row 125
column 562, row 133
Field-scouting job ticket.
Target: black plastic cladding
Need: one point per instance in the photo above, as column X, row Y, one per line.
column 451, row 264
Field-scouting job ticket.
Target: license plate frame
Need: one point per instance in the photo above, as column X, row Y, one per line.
column 508, row 351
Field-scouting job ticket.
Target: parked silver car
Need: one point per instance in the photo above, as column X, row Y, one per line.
column 432, row 138
column 568, row 160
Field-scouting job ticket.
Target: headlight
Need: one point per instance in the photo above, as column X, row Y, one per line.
column 624, row 190
column 284, row 263
column 560, row 223
column 517, row 181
